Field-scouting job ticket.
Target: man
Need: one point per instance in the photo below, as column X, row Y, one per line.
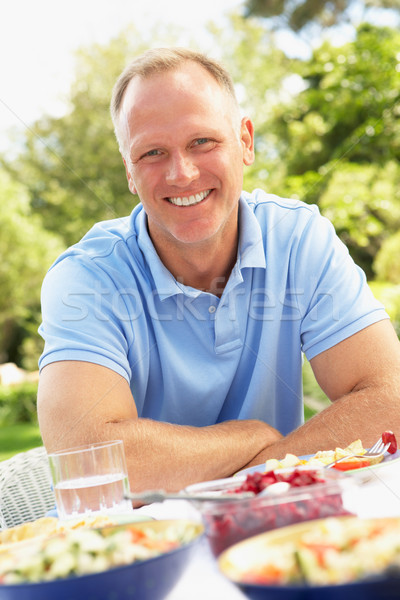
column 180, row 329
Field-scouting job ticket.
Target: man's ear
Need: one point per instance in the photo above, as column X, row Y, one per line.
column 247, row 139
column 131, row 185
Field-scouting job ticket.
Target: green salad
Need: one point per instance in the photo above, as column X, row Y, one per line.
column 84, row 551
column 332, row 551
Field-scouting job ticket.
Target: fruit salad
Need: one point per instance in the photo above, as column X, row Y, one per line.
column 306, row 495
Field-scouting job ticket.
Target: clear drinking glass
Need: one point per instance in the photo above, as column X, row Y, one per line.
column 90, row 480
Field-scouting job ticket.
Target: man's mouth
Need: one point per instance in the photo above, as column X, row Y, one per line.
column 189, row 200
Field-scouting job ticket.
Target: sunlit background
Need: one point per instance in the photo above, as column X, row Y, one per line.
column 38, row 40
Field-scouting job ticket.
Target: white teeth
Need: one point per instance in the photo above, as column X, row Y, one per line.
column 191, row 200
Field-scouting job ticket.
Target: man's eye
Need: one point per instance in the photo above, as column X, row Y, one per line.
column 152, row 153
column 201, row 141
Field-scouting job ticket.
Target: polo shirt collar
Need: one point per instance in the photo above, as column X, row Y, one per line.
column 250, row 252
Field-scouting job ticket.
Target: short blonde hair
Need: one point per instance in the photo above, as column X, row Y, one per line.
column 159, row 60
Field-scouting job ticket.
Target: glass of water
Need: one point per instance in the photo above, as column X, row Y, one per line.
column 90, row 480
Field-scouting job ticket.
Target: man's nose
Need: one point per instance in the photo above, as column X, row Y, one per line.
column 181, row 170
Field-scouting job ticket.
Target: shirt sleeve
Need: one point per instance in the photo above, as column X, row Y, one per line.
column 80, row 307
column 337, row 301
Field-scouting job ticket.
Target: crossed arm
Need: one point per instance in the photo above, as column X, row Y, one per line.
column 80, row 402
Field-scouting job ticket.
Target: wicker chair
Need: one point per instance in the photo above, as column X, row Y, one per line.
column 26, row 490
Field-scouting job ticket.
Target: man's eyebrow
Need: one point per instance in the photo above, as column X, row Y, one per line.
column 141, row 144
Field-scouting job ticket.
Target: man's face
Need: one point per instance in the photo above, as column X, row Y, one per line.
column 184, row 153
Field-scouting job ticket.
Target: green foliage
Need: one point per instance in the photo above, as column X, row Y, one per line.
column 27, row 251
column 314, row 398
column 257, row 66
column 339, row 139
column 389, row 295
column 336, row 143
column 18, row 404
column 387, row 263
column 363, row 201
column 299, row 16
column 260, row 72
column 349, row 110
column 311, row 387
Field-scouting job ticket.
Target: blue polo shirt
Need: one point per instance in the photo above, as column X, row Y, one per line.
column 191, row 357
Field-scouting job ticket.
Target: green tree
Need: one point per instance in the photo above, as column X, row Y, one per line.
column 363, row 201
column 387, row 264
column 259, row 70
column 339, row 139
column 27, row 251
column 299, row 16
column 350, row 107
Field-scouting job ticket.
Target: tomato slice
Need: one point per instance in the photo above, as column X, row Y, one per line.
column 266, row 575
column 349, row 465
column 388, row 437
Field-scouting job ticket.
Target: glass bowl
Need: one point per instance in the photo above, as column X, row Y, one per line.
column 313, row 494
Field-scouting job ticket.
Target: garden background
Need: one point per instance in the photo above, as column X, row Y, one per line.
column 327, row 132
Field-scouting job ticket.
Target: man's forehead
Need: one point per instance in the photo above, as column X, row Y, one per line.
column 188, row 94
column 188, row 76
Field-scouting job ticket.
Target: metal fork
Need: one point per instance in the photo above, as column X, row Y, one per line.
column 376, row 451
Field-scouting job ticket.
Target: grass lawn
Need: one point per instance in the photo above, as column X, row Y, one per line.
column 18, row 438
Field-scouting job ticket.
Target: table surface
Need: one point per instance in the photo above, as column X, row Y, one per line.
column 378, row 497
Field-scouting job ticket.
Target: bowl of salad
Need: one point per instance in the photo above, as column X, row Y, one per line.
column 277, row 499
column 140, row 560
column 339, row 557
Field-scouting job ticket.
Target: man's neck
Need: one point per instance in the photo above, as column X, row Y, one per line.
column 205, row 266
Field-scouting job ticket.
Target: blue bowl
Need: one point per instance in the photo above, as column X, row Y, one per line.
column 150, row 579
column 378, row 589
column 243, row 556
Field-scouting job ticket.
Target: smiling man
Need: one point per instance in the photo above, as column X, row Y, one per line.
column 180, row 329
column 184, row 154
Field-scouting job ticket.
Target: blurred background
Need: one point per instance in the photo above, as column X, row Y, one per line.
column 320, row 79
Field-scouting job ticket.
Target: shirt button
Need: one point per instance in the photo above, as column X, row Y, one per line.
column 212, row 309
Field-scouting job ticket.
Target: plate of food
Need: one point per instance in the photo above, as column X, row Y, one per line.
column 339, row 557
column 323, row 458
column 140, row 560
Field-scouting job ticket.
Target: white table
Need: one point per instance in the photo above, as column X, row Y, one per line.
column 379, row 497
